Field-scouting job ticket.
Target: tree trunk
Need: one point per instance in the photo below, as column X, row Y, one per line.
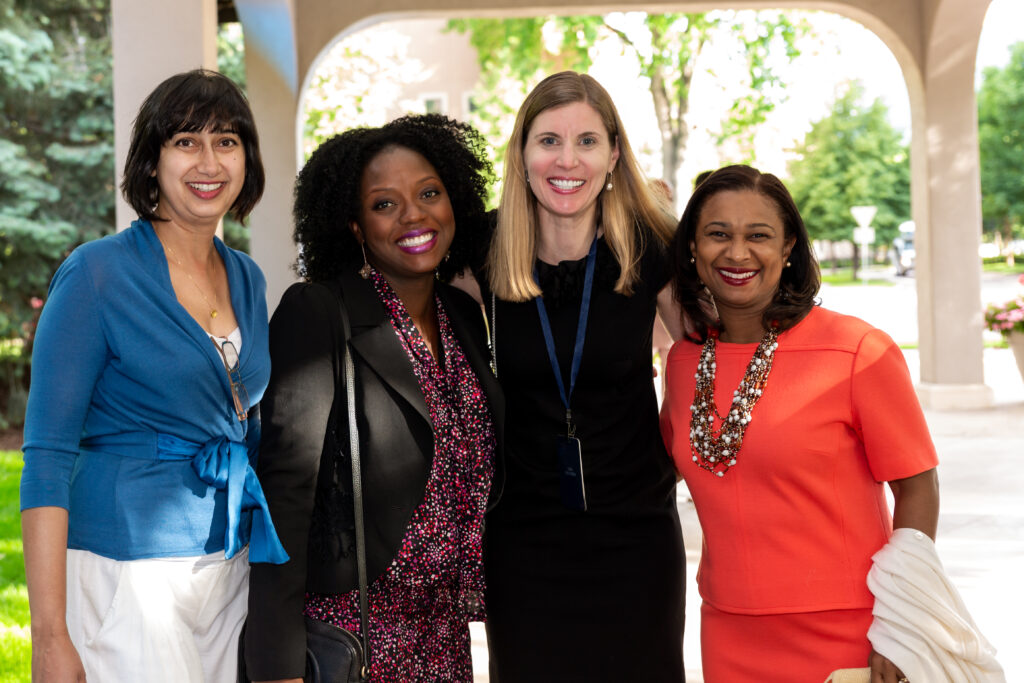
column 1008, row 227
column 672, row 124
column 669, row 140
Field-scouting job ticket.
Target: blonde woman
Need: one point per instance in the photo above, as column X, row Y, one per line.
column 584, row 557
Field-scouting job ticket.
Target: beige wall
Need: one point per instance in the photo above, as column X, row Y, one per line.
column 449, row 59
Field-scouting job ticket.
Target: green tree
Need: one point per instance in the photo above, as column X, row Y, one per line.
column 56, row 144
column 1001, row 145
column 56, row 161
column 231, row 63
column 231, row 52
column 851, row 157
column 666, row 48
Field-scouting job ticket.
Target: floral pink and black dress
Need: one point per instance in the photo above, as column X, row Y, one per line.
column 420, row 608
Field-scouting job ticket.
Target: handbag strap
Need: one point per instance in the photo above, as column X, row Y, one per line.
column 357, row 488
column 492, row 335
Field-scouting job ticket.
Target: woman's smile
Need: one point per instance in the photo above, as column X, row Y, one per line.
column 737, row 277
column 417, row 241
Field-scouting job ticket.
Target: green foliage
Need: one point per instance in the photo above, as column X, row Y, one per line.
column 773, row 33
column 56, row 145
column 56, row 158
column 998, row 264
column 1001, row 145
column 231, row 53
column 15, row 646
column 851, row 157
column 845, row 277
column 515, row 54
column 1005, row 317
column 231, row 63
column 236, row 235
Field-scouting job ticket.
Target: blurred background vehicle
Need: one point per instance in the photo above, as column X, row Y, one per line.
column 903, row 249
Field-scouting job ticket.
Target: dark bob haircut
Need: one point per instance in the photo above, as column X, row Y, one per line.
column 799, row 283
column 190, row 102
column 327, row 191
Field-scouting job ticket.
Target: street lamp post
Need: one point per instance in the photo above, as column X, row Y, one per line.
column 864, row 234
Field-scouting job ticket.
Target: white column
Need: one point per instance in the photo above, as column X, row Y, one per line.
column 948, row 267
column 272, row 83
column 153, row 39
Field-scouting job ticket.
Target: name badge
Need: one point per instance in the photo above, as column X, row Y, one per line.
column 570, row 467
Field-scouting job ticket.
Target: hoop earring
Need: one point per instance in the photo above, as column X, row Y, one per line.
column 365, row 271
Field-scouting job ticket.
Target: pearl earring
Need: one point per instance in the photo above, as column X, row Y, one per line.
column 609, row 185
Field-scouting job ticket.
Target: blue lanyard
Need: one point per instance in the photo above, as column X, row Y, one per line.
column 581, row 329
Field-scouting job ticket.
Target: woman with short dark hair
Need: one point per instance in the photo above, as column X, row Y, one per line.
column 785, row 419
column 187, row 103
column 140, row 507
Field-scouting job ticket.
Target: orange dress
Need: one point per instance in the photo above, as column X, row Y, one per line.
column 790, row 530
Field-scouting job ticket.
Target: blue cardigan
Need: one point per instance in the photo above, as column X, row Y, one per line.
column 126, row 389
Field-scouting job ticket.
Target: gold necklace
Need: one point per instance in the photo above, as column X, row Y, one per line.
column 213, row 309
column 716, row 450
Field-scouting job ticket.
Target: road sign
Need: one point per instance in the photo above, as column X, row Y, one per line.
column 864, row 235
column 863, row 214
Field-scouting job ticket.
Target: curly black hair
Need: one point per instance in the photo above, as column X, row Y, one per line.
column 327, row 191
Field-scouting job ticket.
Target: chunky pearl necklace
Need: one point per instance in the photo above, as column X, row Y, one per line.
column 716, row 449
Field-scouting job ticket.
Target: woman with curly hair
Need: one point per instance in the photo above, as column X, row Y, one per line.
column 384, row 217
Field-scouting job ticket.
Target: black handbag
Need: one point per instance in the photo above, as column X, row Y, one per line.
column 334, row 655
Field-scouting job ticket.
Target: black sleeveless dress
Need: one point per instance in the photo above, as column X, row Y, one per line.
column 598, row 595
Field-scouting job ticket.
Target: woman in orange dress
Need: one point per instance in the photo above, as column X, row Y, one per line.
column 787, row 471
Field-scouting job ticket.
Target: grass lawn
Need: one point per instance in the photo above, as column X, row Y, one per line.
column 844, row 276
column 987, row 343
column 1001, row 267
column 15, row 646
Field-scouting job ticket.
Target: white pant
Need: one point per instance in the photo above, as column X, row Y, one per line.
column 173, row 620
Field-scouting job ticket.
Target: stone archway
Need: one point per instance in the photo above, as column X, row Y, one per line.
column 934, row 41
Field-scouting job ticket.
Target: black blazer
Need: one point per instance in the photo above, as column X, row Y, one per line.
column 396, row 446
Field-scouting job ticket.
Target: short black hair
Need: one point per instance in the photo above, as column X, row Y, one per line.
column 327, row 191
column 190, row 102
column 799, row 283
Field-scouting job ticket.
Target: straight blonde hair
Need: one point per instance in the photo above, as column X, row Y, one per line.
column 624, row 211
